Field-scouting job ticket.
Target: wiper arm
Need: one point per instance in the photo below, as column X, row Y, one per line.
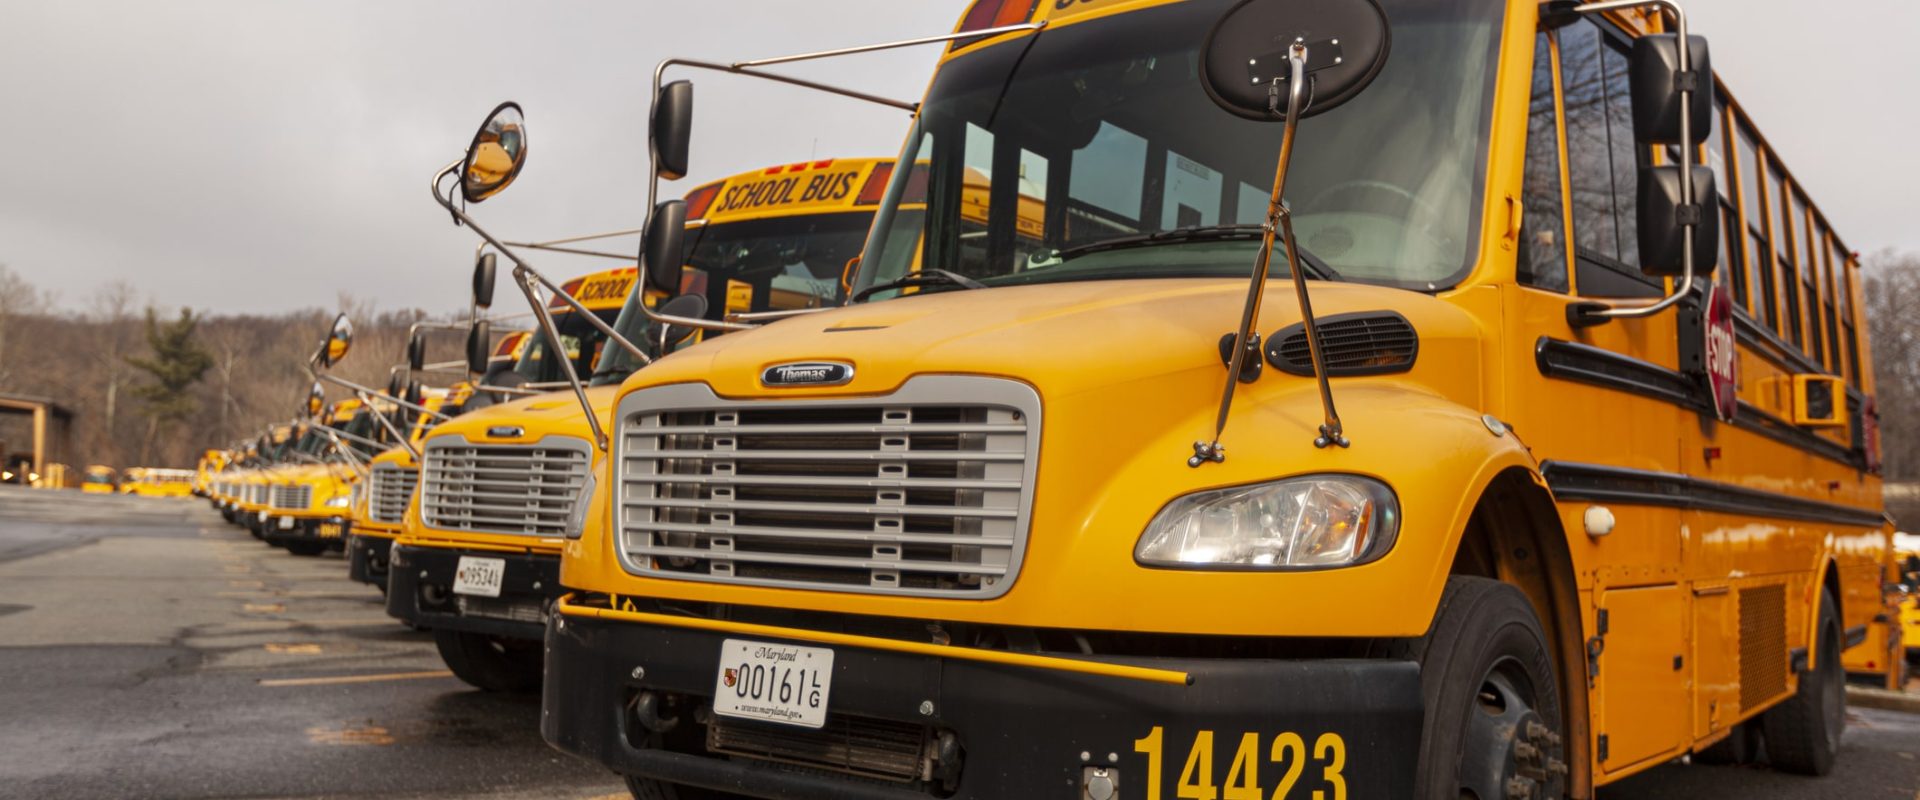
column 925, row 277
column 1193, row 233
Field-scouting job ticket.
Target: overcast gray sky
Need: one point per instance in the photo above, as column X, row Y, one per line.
column 268, row 155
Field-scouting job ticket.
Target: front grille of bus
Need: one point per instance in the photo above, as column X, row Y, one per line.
column 498, row 488
column 288, row 495
column 923, row 492
column 389, row 488
column 257, row 494
column 863, row 746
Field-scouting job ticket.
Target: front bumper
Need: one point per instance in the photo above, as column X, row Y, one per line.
column 1020, row 731
column 420, row 592
column 280, row 530
column 367, row 558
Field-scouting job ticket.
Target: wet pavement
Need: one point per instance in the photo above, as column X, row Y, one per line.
column 148, row 649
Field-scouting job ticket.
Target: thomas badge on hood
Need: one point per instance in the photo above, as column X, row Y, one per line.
column 808, row 373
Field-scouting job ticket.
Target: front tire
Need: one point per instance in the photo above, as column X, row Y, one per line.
column 1493, row 725
column 1803, row 733
column 490, row 663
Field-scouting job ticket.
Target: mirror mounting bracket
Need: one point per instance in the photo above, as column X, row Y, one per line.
column 1689, row 216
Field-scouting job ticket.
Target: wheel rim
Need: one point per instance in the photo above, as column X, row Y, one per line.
column 1509, row 752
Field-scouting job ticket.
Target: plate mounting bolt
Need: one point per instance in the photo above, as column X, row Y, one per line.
column 926, row 708
column 639, row 673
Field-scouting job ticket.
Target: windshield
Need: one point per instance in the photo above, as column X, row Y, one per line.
column 583, row 343
column 769, row 264
column 1099, row 130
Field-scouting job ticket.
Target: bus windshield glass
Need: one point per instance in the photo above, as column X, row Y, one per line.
column 1030, row 153
column 779, row 263
column 582, row 341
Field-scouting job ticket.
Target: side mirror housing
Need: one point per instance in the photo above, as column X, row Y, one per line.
column 1663, row 236
column 660, row 256
column 417, row 351
column 316, row 399
column 1655, row 77
column 478, row 339
column 686, row 305
column 394, row 384
column 339, row 341
column 483, row 270
column 672, row 129
column 498, row 151
column 1819, row 401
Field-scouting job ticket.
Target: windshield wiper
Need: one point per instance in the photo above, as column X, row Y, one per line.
column 925, row 277
column 1193, row 233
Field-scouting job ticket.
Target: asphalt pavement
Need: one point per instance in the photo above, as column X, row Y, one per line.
column 148, row 649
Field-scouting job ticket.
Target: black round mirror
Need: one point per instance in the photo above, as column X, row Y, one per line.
column 483, row 268
column 417, row 351
column 498, row 151
column 686, row 305
column 339, row 340
column 1247, row 52
column 316, row 399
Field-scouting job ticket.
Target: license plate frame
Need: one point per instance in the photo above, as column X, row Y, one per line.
column 327, row 530
column 285, row 523
column 751, row 677
column 479, row 576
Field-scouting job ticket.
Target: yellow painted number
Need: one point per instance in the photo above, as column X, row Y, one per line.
column 1151, row 747
column 1331, row 750
column 1243, row 778
column 1289, row 750
column 1282, row 745
column 1196, row 778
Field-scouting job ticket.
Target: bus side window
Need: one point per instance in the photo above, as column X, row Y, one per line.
column 1603, row 164
column 1753, row 204
column 1543, row 250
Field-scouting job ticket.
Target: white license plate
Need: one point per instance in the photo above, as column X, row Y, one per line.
column 479, row 576
column 263, row 517
column 773, row 682
column 286, row 523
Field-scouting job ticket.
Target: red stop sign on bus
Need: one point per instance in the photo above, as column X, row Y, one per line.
column 1720, row 354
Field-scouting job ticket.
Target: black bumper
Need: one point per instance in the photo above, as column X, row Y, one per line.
column 367, row 558
column 1021, row 731
column 331, row 531
column 420, row 590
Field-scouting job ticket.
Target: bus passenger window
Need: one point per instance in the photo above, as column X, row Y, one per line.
column 1753, row 210
column 1543, row 251
column 1193, row 194
column 1783, row 244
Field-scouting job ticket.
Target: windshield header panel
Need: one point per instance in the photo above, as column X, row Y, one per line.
column 1031, row 148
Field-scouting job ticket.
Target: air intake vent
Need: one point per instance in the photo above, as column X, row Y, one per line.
column 1361, row 343
column 1763, row 644
column 871, row 748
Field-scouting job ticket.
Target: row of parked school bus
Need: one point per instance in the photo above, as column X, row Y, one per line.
column 1009, row 473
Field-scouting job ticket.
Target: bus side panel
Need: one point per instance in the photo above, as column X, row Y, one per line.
column 1643, row 708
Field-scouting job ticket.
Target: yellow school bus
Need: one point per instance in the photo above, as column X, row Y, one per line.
column 158, row 482
column 275, row 448
column 99, row 479
column 210, row 464
column 380, row 501
column 982, row 539
column 483, row 579
column 308, row 503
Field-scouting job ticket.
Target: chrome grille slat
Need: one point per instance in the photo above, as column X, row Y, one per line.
column 290, row 496
column 514, row 489
column 804, row 482
column 923, row 492
column 390, row 488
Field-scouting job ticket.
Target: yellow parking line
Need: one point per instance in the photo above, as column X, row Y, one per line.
column 338, row 679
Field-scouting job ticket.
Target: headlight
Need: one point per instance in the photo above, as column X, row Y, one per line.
column 1311, row 522
column 338, row 502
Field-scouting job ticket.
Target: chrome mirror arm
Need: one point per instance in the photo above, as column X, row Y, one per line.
column 1684, row 286
column 523, row 269
column 525, row 279
column 358, row 389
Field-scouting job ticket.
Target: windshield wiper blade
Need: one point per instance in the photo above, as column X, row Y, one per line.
column 1194, row 233
column 925, row 277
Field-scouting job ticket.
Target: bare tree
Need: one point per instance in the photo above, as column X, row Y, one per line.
column 18, row 298
column 1892, row 290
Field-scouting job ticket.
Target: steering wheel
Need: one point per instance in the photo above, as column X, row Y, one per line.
column 1384, row 186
